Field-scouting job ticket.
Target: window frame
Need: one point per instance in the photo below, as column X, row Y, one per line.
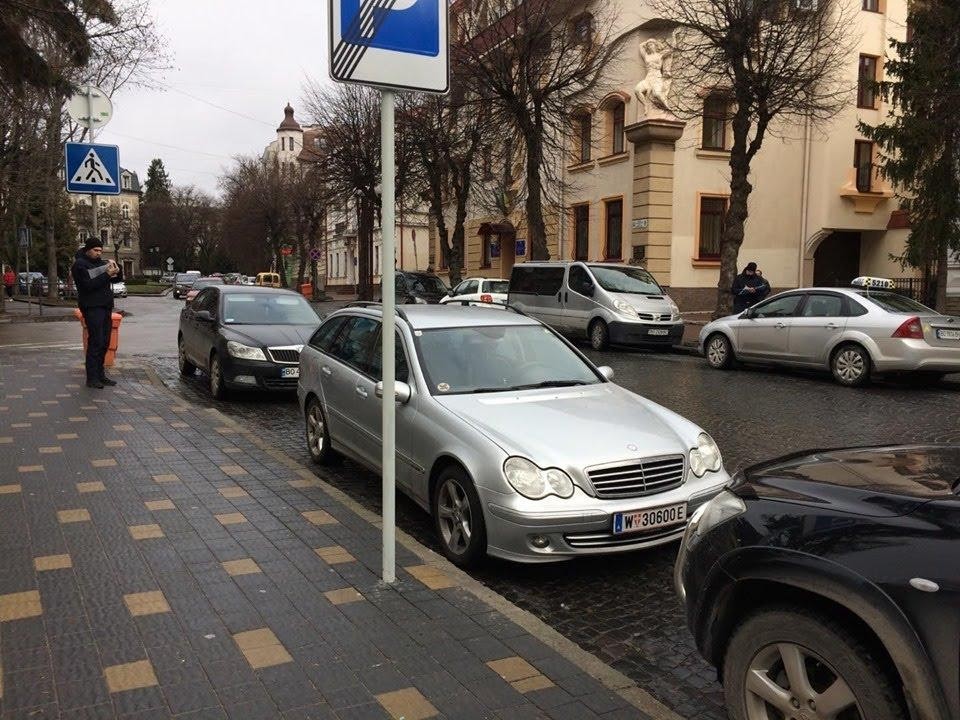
column 365, row 354
column 713, row 115
column 486, row 250
column 618, row 117
column 607, row 227
column 857, row 167
column 841, row 313
column 584, row 137
column 575, row 246
column 800, row 298
column 701, row 201
column 874, row 3
column 865, row 83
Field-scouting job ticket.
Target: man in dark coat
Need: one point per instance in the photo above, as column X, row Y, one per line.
column 94, row 278
column 749, row 288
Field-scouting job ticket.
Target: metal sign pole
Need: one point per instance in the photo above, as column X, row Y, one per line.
column 93, row 197
column 387, row 255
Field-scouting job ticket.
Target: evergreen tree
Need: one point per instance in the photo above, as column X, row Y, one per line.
column 920, row 142
column 157, row 185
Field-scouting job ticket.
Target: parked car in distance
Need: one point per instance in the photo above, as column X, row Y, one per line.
column 119, row 289
column 183, row 282
column 852, row 332
column 268, row 279
column 605, row 303
column 418, row 288
column 168, row 278
column 487, row 290
column 200, row 284
column 516, row 444
column 826, row 585
column 245, row 337
column 37, row 282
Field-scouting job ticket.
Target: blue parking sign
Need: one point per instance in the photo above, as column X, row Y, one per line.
column 406, row 26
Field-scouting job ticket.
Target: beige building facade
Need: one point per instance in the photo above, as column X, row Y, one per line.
column 642, row 186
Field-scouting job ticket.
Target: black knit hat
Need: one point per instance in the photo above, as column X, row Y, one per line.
column 751, row 267
column 91, row 243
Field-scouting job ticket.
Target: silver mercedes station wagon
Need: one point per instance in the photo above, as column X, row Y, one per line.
column 517, row 445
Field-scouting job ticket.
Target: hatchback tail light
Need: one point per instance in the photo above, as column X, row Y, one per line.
column 486, row 298
column 911, row 329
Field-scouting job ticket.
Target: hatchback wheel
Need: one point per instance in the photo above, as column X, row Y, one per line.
column 851, row 365
column 217, row 387
column 318, row 434
column 599, row 335
column 719, row 352
column 788, row 663
column 459, row 518
column 187, row 368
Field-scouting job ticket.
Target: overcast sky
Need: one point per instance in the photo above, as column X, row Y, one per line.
column 248, row 57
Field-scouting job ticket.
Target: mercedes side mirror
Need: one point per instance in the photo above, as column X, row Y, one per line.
column 606, row 371
column 747, row 314
column 401, row 389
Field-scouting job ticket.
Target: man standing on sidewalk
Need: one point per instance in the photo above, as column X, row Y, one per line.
column 94, row 278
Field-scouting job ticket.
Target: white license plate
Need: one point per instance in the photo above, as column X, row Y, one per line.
column 658, row 331
column 290, row 372
column 948, row 334
column 643, row 520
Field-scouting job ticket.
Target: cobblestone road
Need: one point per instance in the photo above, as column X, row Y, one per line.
column 623, row 609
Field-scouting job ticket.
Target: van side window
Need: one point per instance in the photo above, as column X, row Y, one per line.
column 536, row 280
column 579, row 280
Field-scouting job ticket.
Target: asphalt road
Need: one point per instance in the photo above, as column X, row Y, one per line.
column 622, row 609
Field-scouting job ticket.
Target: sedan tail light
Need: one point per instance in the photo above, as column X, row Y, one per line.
column 486, row 298
column 911, row 329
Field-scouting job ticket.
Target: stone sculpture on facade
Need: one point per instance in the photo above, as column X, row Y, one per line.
column 654, row 90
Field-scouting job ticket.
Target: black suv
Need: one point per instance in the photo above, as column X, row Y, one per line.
column 422, row 288
column 827, row 585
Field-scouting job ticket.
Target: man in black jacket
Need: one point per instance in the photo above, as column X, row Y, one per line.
column 749, row 288
column 94, row 278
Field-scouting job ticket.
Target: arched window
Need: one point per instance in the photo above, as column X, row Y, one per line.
column 617, row 116
column 125, row 211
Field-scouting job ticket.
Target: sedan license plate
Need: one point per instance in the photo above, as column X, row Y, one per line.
column 643, row 520
column 290, row 372
column 658, row 331
column 948, row 334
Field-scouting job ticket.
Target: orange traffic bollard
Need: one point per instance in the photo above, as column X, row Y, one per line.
column 115, row 318
column 306, row 289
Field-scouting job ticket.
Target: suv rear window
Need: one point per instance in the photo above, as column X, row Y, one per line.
column 536, row 280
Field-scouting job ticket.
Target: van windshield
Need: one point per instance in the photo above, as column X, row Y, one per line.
column 626, row 280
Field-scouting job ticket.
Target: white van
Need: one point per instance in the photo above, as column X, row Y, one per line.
column 606, row 303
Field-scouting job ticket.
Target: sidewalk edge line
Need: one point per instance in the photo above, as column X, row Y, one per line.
column 587, row 662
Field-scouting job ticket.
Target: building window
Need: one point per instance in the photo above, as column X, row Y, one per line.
column 487, row 159
column 614, row 210
column 866, row 77
column 715, row 112
column 125, row 211
column 583, row 29
column 863, row 163
column 617, row 122
column 486, row 242
column 871, row 5
column 583, row 124
column 103, row 206
column 105, row 236
column 125, row 181
column 126, row 240
column 581, row 232
column 713, row 213
column 376, row 260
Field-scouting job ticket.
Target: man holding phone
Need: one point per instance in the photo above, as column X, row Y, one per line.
column 94, row 278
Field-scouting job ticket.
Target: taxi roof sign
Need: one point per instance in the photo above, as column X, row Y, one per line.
column 872, row 283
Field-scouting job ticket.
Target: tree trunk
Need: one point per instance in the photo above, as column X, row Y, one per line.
column 733, row 228
column 536, row 226
column 364, row 249
column 943, row 259
column 52, row 194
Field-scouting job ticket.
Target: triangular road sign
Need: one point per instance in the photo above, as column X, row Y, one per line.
column 93, row 171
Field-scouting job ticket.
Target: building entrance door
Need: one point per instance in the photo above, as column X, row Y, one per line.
column 837, row 260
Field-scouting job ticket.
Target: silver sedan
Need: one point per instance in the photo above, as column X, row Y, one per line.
column 853, row 333
column 516, row 444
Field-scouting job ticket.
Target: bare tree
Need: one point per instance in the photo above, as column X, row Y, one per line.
column 309, row 197
column 780, row 63
column 534, row 62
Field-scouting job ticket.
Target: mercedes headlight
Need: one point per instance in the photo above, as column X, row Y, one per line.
column 625, row 308
column 532, row 482
column 244, row 352
column 705, row 456
column 723, row 507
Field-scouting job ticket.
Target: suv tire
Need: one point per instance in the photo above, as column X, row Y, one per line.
column 787, row 658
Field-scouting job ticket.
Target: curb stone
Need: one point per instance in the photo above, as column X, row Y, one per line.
column 612, row 679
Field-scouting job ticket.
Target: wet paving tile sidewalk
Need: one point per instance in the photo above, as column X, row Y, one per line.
column 155, row 563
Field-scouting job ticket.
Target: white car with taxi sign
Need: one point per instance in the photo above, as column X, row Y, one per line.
column 854, row 332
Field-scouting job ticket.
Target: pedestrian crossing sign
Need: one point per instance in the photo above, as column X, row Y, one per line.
column 92, row 169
